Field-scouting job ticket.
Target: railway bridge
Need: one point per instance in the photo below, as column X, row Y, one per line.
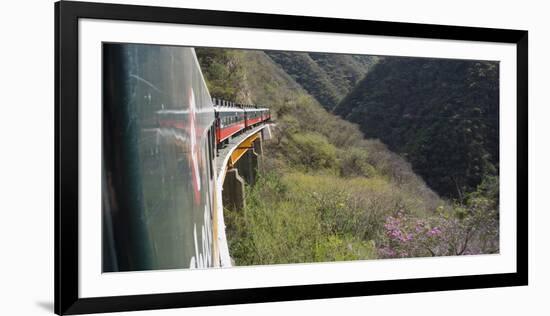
column 236, row 165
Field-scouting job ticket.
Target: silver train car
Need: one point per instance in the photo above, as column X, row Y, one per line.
column 158, row 147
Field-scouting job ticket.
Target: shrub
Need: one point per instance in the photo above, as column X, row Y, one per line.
column 336, row 248
column 450, row 233
column 283, row 222
column 313, row 151
column 354, row 162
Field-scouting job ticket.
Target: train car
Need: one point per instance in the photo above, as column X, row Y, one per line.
column 266, row 114
column 230, row 120
column 160, row 132
column 253, row 117
column 157, row 176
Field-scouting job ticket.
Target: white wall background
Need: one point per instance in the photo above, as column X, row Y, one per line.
column 26, row 167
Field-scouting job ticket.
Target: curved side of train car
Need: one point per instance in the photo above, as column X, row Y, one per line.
column 229, row 121
column 266, row 114
column 158, row 140
column 253, row 117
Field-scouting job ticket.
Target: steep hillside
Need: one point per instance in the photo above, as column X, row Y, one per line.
column 296, row 112
column 327, row 77
column 442, row 115
column 326, row 193
column 224, row 74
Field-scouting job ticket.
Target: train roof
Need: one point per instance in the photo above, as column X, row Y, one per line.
column 227, row 106
column 227, row 109
column 255, row 109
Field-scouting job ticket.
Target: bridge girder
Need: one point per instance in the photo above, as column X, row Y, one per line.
column 244, row 146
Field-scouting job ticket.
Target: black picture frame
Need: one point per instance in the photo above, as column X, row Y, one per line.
column 67, row 15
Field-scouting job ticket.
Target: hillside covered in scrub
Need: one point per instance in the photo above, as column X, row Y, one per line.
column 326, row 77
column 325, row 192
column 441, row 114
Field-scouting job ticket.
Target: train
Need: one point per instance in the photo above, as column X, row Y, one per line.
column 233, row 118
column 161, row 133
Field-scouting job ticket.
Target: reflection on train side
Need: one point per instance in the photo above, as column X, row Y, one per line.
column 157, row 135
column 161, row 130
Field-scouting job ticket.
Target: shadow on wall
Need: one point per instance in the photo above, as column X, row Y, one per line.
column 48, row 306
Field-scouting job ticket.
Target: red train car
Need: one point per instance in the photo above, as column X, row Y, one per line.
column 253, row 117
column 229, row 121
column 232, row 118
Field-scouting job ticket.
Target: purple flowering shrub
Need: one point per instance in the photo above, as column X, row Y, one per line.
column 448, row 233
column 407, row 236
column 467, row 228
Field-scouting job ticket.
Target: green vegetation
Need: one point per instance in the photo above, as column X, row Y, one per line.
column 290, row 219
column 327, row 77
column 442, row 115
column 326, row 193
column 223, row 73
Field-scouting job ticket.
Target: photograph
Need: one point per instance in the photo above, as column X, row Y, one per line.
column 217, row 157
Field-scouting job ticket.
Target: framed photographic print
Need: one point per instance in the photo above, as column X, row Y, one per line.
column 209, row 157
